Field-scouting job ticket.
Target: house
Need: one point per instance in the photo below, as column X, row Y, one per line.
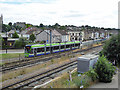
column 23, row 34
column 33, row 30
column 11, row 41
column 88, row 34
column 28, row 31
column 56, row 36
column 74, row 35
column 21, row 24
column 11, row 32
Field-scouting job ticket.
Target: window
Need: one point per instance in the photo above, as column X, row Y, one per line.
column 56, row 47
column 62, row 47
column 76, row 38
column 47, row 48
column 40, row 50
column 77, row 44
column 27, row 49
column 67, row 46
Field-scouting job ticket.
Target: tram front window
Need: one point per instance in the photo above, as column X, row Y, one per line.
column 27, row 49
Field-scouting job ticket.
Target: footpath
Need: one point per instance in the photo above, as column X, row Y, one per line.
column 114, row 85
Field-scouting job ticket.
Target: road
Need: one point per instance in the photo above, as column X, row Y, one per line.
column 12, row 51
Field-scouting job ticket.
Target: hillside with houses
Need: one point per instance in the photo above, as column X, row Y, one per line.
column 55, row 33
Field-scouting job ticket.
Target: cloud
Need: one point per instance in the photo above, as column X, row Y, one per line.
column 102, row 13
column 27, row 1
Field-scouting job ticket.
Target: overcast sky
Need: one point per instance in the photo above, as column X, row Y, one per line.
column 100, row 13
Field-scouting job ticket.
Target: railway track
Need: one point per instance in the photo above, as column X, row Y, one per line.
column 39, row 76
column 30, row 63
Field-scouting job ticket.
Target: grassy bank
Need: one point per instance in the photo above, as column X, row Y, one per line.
column 14, row 74
column 11, row 55
column 77, row 81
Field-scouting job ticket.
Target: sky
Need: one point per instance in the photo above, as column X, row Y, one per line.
column 99, row 13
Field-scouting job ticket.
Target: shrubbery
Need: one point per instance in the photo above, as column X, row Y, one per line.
column 91, row 73
column 111, row 49
column 20, row 43
column 104, row 69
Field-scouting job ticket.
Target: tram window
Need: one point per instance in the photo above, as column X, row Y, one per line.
column 40, row 49
column 72, row 45
column 67, row 46
column 62, row 47
column 47, row 48
column 56, row 47
column 27, row 49
column 77, row 44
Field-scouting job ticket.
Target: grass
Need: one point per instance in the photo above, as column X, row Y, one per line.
column 77, row 81
column 11, row 55
column 14, row 74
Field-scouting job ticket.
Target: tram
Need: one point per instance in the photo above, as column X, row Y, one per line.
column 42, row 49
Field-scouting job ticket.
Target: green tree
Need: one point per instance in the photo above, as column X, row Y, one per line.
column 20, row 43
column 104, row 69
column 28, row 25
column 15, row 35
column 10, row 23
column 62, row 28
column 5, row 28
column 111, row 49
column 41, row 25
column 56, row 24
column 32, row 37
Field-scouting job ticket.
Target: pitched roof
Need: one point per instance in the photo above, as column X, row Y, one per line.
column 62, row 32
column 33, row 30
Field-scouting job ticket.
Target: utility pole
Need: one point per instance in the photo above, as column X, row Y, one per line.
column 6, row 39
column 50, row 41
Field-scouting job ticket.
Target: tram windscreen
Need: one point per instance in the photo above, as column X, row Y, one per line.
column 27, row 49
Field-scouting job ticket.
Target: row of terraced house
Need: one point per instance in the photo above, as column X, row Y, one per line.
column 71, row 34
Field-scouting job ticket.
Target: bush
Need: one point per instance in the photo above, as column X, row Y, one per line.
column 15, row 35
column 111, row 49
column 104, row 69
column 20, row 43
column 91, row 73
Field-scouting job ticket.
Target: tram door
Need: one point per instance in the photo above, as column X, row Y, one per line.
column 35, row 52
column 51, row 49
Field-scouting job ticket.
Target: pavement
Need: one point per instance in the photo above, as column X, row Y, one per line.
column 12, row 51
column 109, row 86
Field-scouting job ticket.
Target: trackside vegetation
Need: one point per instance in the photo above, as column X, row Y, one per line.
column 111, row 49
column 103, row 71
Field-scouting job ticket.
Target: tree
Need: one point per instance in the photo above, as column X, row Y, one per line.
column 10, row 23
column 104, row 69
column 32, row 37
column 20, row 43
column 111, row 49
column 56, row 24
column 41, row 25
column 5, row 28
column 15, row 35
column 62, row 28
column 28, row 25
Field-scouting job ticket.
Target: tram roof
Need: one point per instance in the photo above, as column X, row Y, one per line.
column 53, row 44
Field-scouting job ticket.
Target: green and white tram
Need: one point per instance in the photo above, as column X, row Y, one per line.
column 42, row 49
